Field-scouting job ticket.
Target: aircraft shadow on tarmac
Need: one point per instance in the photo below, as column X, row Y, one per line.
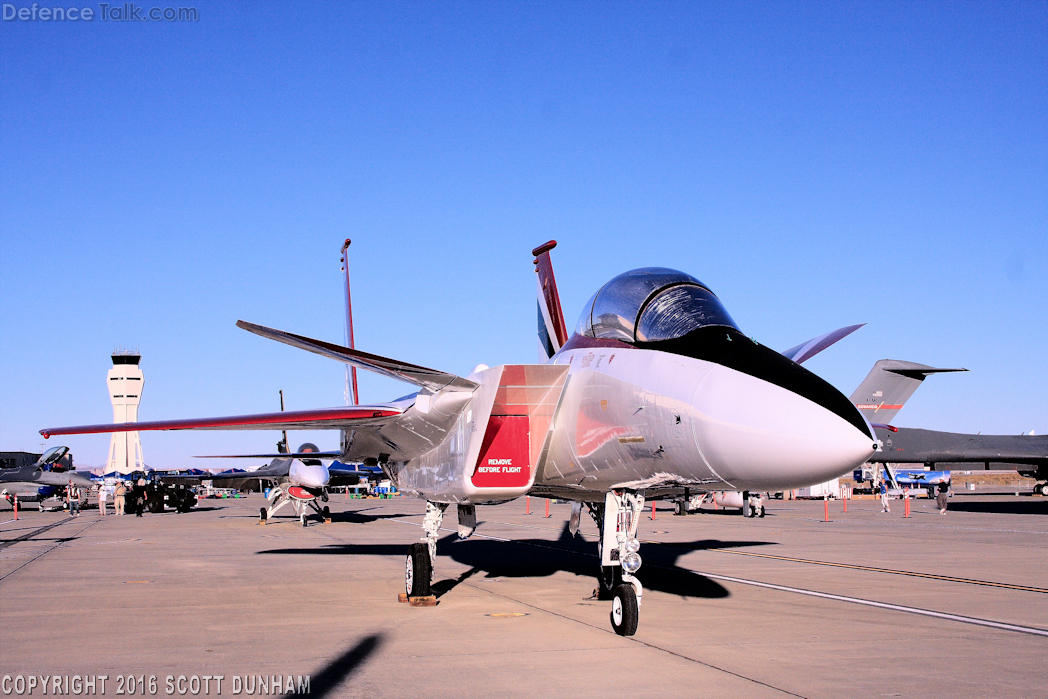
column 719, row 513
column 338, row 670
column 361, row 517
column 1007, row 507
column 537, row 558
column 351, row 517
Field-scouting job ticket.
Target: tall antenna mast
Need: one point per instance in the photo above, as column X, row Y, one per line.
column 282, row 444
column 351, row 371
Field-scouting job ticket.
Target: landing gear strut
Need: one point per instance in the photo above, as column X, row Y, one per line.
column 618, row 519
column 418, row 567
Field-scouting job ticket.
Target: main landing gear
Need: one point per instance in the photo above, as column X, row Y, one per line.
column 617, row 520
column 418, row 566
column 280, row 496
column 754, row 506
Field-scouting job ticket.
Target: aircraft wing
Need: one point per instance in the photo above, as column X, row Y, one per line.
column 432, row 379
column 323, row 418
column 807, row 350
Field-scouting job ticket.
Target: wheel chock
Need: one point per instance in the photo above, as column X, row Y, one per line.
column 427, row 601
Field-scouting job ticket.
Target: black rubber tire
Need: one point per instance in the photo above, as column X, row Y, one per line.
column 418, row 571
column 156, row 506
column 760, row 512
column 304, row 519
column 263, row 514
column 327, row 512
column 680, row 509
column 625, row 612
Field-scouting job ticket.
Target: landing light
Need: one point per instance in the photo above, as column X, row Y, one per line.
column 631, row 563
column 632, row 546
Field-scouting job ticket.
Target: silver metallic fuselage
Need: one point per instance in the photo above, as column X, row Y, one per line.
column 639, row 419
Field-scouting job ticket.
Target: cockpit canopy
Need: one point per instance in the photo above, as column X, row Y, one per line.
column 651, row 304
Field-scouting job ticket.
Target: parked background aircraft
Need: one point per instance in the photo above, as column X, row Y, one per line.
column 1028, row 454
column 300, row 479
column 888, row 386
column 41, row 480
column 881, row 396
column 656, row 390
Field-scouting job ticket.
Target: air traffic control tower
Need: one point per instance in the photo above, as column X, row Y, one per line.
column 125, row 391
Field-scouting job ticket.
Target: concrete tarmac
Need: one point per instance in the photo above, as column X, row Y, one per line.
column 866, row 605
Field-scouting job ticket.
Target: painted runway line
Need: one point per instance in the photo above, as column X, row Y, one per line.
column 912, row 574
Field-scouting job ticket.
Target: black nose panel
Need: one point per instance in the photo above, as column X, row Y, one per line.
column 730, row 348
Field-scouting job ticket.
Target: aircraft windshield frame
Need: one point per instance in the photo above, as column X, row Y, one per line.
column 651, row 304
column 52, row 455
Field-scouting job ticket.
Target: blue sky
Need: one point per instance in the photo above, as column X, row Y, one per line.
column 817, row 164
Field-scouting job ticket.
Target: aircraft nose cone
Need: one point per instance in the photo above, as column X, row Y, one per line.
column 309, row 475
column 761, row 436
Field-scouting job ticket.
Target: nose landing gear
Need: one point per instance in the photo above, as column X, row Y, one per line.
column 618, row 519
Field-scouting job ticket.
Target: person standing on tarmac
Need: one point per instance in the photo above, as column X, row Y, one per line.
column 884, row 498
column 73, row 498
column 940, row 498
column 140, row 496
column 102, row 495
column 118, row 498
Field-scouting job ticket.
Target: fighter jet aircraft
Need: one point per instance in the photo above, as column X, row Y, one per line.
column 657, row 389
column 37, row 481
column 300, row 479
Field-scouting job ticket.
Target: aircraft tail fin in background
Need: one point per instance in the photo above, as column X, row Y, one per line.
column 412, row 373
column 887, row 387
column 553, row 332
column 807, row 350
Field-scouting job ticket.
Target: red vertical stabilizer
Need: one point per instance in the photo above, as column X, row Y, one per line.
column 553, row 332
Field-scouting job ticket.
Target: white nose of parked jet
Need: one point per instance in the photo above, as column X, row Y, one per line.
column 309, row 475
column 757, row 435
